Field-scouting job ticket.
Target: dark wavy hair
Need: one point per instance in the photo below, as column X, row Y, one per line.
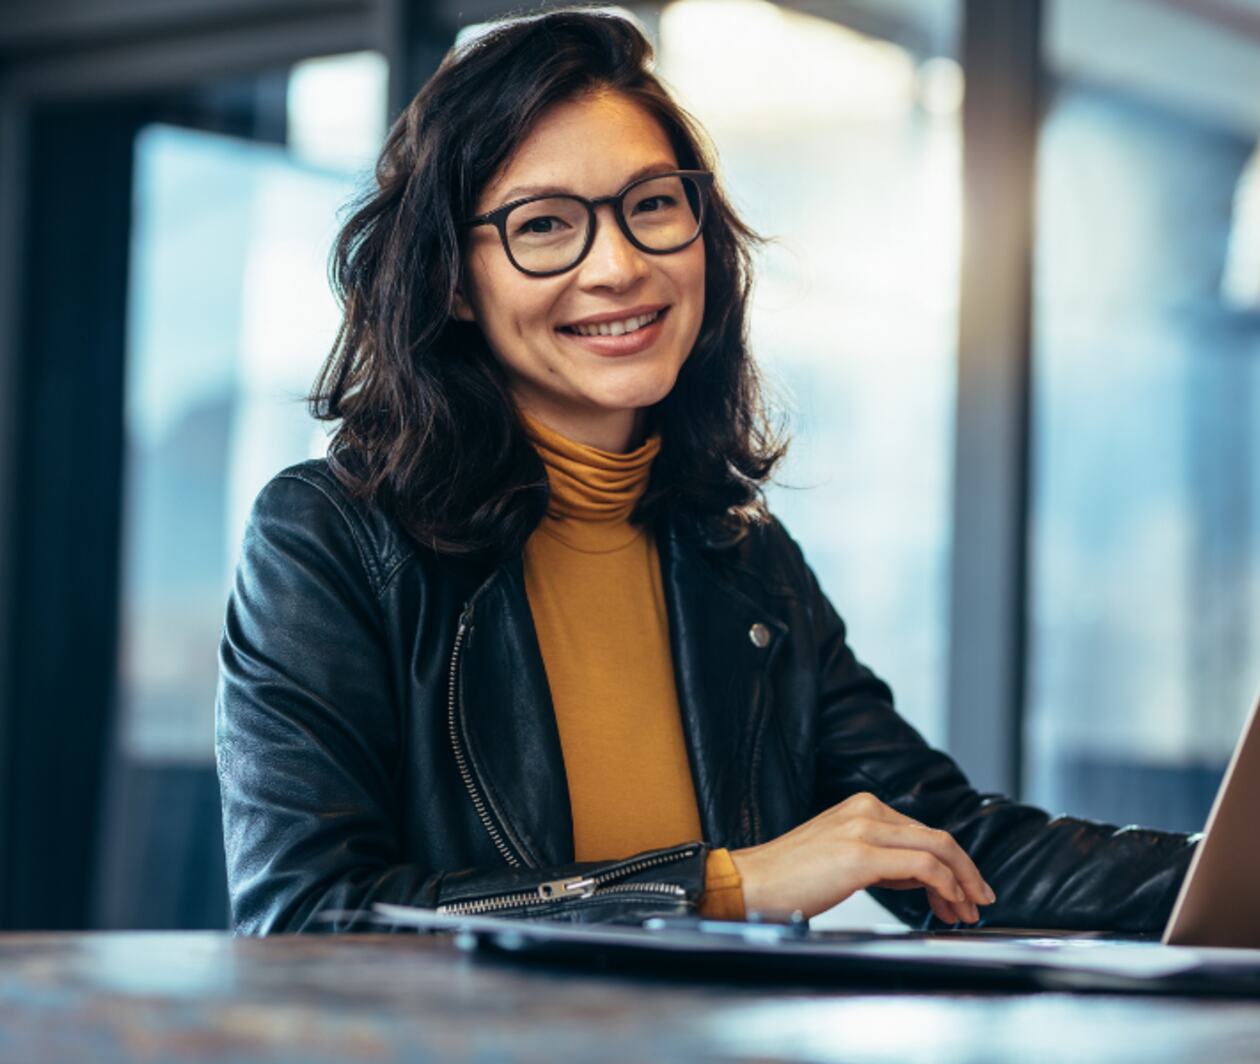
column 428, row 429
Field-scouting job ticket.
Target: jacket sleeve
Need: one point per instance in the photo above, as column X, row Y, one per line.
column 1047, row 871
column 307, row 734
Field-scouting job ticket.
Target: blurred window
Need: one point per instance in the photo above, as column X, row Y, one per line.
column 842, row 145
column 1145, row 536
column 230, row 317
column 840, row 141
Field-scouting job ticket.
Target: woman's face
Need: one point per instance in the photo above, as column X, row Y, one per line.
column 592, row 146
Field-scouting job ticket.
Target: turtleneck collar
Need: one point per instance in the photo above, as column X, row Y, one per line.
column 593, row 492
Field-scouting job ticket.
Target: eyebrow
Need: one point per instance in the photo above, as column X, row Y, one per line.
column 520, row 191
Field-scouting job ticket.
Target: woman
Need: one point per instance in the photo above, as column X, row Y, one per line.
column 526, row 642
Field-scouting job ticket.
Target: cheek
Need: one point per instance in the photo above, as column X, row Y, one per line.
column 690, row 280
column 690, row 276
column 507, row 301
column 514, row 301
column 516, row 317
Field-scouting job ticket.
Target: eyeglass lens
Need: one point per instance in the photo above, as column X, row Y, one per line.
column 549, row 234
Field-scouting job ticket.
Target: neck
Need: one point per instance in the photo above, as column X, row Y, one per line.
column 593, row 491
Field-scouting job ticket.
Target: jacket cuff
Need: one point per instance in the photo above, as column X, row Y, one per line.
column 723, row 897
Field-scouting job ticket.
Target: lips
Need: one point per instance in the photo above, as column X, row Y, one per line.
column 629, row 343
column 602, row 322
column 615, row 328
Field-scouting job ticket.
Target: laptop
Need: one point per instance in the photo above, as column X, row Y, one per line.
column 1211, row 944
column 1219, row 902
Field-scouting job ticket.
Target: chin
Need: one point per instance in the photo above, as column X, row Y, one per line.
column 636, row 401
column 647, row 386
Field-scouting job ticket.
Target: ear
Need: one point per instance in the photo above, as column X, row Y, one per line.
column 462, row 308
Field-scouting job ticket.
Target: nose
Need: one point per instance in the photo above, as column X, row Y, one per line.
column 613, row 262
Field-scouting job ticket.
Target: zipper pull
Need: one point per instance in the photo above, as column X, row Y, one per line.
column 577, row 887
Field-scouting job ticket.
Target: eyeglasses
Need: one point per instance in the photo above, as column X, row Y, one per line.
column 549, row 234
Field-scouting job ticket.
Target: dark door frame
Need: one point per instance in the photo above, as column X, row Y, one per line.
column 988, row 618
column 77, row 80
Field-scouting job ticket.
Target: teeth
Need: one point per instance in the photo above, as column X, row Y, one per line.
column 616, row 328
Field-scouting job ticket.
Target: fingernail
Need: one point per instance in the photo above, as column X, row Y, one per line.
column 988, row 890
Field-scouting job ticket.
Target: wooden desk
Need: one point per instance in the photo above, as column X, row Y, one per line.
column 168, row 996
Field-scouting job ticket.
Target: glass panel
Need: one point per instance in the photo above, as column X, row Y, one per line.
column 1147, row 328
column 230, row 315
column 845, row 150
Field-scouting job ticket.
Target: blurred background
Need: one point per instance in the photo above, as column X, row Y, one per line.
column 1010, row 305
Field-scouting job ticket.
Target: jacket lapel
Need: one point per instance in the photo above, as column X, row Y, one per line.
column 509, row 723
column 723, row 645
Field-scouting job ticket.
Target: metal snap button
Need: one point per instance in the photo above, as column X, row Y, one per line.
column 759, row 634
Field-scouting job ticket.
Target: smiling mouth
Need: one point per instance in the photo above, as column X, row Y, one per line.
column 615, row 328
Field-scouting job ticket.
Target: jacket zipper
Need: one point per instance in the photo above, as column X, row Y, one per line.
column 460, row 759
column 560, row 890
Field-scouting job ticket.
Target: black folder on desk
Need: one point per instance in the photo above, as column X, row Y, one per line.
column 765, row 952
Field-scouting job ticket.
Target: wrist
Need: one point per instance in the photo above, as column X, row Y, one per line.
column 745, row 864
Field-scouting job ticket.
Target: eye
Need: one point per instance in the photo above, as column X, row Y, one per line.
column 655, row 203
column 544, row 225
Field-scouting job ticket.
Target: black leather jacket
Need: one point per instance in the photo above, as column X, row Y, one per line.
column 384, row 732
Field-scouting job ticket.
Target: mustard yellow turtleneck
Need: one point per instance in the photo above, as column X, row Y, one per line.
column 594, row 586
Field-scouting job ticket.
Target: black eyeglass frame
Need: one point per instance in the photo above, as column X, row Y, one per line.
column 498, row 217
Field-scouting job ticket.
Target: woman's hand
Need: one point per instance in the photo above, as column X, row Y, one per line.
column 857, row 844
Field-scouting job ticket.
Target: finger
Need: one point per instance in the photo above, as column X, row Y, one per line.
column 967, row 912
column 977, row 887
column 914, row 836
column 890, row 864
column 944, row 911
column 961, row 912
column 956, row 857
column 866, row 806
